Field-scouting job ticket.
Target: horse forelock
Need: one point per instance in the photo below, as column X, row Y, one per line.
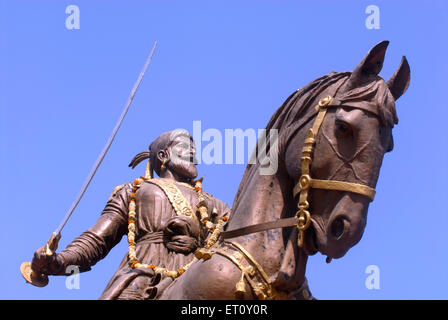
column 378, row 94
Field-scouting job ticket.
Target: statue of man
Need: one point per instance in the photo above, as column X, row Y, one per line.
column 168, row 228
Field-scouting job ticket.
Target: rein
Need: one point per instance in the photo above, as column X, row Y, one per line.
column 302, row 218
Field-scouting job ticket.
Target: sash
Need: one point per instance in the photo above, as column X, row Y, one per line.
column 180, row 205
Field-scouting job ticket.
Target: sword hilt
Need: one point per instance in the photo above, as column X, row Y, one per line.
column 35, row 278
column 52, row 244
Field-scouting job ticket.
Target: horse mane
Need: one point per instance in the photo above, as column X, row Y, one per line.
column 298, row 109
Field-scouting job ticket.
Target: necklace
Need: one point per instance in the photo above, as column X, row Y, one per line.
column 205, row 221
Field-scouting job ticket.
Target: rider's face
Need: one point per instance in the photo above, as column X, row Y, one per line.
column 183, row 156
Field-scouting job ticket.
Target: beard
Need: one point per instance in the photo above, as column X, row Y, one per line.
column 183, row 168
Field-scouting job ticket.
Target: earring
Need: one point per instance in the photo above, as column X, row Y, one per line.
column 162, row 167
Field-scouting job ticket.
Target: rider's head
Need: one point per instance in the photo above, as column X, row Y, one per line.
column 174, row 151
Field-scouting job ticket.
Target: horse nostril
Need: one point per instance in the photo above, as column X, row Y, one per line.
column 337, row 228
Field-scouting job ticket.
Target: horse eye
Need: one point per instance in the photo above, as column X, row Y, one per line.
column 343, row 129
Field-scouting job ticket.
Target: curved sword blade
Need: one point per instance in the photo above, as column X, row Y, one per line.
column 100, row 158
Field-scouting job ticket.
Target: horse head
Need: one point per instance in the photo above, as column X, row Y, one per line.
column 349, row 147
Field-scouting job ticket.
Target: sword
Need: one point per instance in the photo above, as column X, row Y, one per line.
column 41, row 280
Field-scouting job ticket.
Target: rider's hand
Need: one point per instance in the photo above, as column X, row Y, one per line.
column 45, row 264
column 181, row 234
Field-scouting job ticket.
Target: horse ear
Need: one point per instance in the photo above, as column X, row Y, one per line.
column 370, row 65
column 399, row 81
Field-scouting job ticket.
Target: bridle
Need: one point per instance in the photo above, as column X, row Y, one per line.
column 305, row 182
column 302, row 219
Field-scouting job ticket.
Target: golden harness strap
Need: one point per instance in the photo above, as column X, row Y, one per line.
column 252, row 272
column 306, row 182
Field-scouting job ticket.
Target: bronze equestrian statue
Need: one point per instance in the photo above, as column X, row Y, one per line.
column 332, row 136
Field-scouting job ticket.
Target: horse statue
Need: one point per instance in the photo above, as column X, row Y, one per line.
column 332, row 136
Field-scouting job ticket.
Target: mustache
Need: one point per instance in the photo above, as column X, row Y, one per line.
column 191, row 158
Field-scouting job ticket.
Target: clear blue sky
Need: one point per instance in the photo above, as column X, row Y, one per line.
column 229, row 64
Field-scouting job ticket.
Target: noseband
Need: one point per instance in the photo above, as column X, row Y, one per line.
column 302, row 219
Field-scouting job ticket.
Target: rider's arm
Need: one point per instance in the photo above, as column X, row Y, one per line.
column 93, row 244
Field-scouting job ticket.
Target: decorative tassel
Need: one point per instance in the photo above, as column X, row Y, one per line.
column 240, row 287
column 202, row 205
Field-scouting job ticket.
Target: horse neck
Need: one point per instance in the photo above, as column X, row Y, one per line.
column 266, row 198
